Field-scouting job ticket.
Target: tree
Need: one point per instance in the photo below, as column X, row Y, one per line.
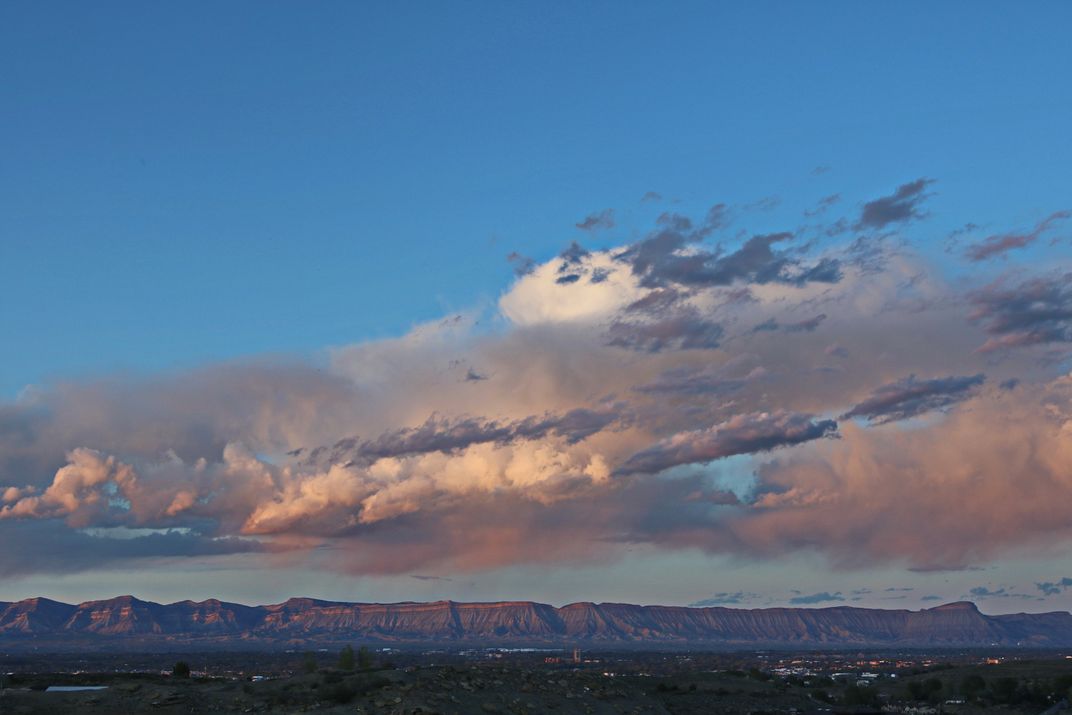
column 346, row 658
column 181, row 669
column 364, row 658
column 309, row 662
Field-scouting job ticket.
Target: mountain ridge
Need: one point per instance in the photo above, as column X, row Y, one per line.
column 214, row 623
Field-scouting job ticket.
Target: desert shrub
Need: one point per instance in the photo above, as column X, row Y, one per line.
column 181, row 669
column 309, row 662
column 364, row 658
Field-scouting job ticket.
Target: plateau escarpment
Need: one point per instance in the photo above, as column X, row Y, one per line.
column 217, row 623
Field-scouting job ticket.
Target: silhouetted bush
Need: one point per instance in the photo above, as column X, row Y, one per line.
column 181, row 669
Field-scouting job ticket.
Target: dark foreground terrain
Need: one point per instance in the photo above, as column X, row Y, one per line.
column 561, row 682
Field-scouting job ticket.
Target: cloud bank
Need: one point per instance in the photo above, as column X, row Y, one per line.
column 595, row 407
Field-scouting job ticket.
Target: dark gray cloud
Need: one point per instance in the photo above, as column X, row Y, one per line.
column 598, row 220
column 472, row 375
column 902, row 205
column 1000, row 244
column 931, row 597
column 1052, row 588
column 684, row 329
column 724, row 599
column 48, row 547
column 443, row 434
column 423, row 577
column 743, row 434
column 801, row 326
column 1003, row 592
column 656, row 302
column 673, row 255
column 1035, row 312
column 821, row 597
column 651, row 196
column 910, row 397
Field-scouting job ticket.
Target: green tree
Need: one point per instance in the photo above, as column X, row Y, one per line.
column 309, row 662
column 181, row 669
column 364, row 658
column 346, row 658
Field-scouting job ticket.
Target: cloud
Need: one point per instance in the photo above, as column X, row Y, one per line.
column 981, row 482
column 1035, row 312
column 611, row 391
column 683, row 330
column 596, row 221
column 821, row 597
column 673, row 255
column 901, row 206
column 1052, row 588
column 910, row 397
column 441, row 434
column 523, row 265
column 744, row 434
column 983, row 592
column 931, row 598
column 700, row 381
column 823, row 204
column 725, row 599
column 801, row 326
column 1001, row 244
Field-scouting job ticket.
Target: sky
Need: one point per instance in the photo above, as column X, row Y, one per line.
column 742, row 304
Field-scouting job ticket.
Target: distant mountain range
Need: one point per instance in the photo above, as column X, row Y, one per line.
column 128, row 622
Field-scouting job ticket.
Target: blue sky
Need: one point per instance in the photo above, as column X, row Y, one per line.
column 184, row 184
column 229, row 232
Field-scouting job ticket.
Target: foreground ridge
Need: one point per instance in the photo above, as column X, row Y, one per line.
column 299, row 620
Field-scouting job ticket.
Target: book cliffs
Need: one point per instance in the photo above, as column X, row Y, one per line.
column 217, row 624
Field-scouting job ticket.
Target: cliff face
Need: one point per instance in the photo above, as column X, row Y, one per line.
column 519, row 622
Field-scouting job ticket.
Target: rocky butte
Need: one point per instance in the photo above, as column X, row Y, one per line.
column 127, row 621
